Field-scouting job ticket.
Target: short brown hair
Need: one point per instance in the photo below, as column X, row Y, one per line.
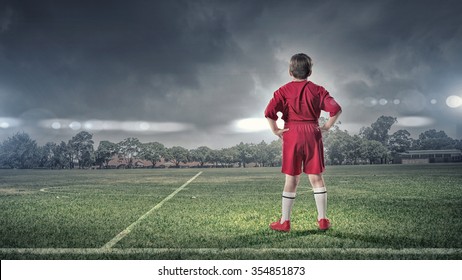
column 300, row 66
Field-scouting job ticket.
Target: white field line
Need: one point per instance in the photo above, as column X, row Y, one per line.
column 47, row 190
column 219, row 251
column 126, row 231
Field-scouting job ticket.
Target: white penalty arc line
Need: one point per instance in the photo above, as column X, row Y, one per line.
column 221, row 251
column 126, row 231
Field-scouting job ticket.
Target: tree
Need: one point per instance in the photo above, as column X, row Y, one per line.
column 261, row 154
column 216, row 156
column 435, row 140
column 245, row 153
column 353, row 149
column 399, row 142
column 372, row 150
column 66, row 155
column 201, row 155
column 336, row 146
column 335, row 153
column 59, row 156
column 275, row 153
column 228, row 156
column 19, row 151
column 129, row 149
column 46, row 155
column 81, row 146
column 153, row 151
column 105, row 152
column 378, row 131
column 177, row 155
column 458, row 144
column 341, row 147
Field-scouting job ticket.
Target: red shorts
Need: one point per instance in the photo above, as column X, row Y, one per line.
column 302, row 147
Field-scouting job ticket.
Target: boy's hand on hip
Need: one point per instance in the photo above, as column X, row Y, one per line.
column 280, row 132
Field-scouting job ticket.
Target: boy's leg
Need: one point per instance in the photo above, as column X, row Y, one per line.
column 288, row 199
column 320, row 197
column 288, row 196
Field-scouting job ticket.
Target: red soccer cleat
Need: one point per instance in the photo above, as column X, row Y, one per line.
column 281, row 227
column 324, row 224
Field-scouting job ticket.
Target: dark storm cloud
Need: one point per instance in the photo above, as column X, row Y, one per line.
column 209, row 63
column 105, row 60
column 372, row 50
column 150, row 60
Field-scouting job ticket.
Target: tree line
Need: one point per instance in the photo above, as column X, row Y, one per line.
column 21, row 151
column 373, row 145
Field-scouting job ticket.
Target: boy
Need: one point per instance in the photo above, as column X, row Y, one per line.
column 301, row 102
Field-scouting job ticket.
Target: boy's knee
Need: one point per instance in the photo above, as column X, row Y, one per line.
column 291, row 183
column 316, row 180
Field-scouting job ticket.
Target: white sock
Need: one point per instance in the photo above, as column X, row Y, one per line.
column 320, row 197
column 288, row 199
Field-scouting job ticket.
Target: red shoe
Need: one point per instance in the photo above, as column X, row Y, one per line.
column 324, row 224
column 281, row 227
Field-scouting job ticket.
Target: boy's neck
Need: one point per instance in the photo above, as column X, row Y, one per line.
column 299, row 80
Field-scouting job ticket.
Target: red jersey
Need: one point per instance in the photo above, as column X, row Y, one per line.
column 301, row 102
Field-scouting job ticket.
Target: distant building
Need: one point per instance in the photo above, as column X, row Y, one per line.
column 429, row 156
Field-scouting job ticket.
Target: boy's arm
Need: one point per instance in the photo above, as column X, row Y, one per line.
column 274, row 127
column 331, row 121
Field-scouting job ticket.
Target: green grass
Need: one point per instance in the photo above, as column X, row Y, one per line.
column 378, row 212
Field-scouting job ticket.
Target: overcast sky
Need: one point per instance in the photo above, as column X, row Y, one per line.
column 195, row 73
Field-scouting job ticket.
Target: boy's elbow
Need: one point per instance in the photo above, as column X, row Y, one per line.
column 335, row 113
column 271, row 115
column 339, row 111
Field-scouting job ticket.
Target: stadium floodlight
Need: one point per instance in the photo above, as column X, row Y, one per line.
column 454, row 101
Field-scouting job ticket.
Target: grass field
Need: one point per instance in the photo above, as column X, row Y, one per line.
column 378, row 212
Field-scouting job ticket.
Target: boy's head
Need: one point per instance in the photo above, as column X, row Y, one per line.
column 300, row 66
